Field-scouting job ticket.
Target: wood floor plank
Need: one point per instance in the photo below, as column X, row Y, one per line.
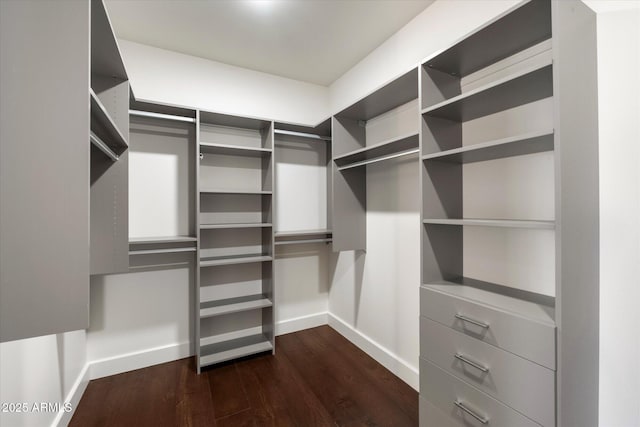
column 316, row 378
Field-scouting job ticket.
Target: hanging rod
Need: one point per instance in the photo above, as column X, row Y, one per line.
column 378, row 159
column 302, row 134
column 294, row 242
column 98, row 143
column 161, row 116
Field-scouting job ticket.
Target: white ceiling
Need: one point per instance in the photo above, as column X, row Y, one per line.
column 309, row 40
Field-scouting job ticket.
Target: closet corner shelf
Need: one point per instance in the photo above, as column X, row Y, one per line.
column 233, row 349
column 234, row 150
column 222, row 191
column 101, row 116
column 404, row 144
column 235, row 259
column 529, row 143
column 537, row 312
column 233, row 305
column 496, row 40
column 236, row 225
column 528, row 85
column 505, row 223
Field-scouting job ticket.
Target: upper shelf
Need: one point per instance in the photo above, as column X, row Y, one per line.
column 383, row 150
column 516, row 30
column 106, row 59
column 224, row 191
column 528, row 85
column 302, row 233
column 393, row 94
column 533, row 142
column 160, row 239
column 105, row 126
column 504, row 223
column 234, row 150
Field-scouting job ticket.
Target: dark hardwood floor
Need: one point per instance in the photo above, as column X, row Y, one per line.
column 316, row 378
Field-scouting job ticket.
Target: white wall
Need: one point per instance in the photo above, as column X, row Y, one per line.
column 168, row 77
column 48, row 369
column 619, row 134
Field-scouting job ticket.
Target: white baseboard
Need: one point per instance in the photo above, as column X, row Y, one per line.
column 300, row 323
column 382, row 355
column 140, row 359
column 63, row 418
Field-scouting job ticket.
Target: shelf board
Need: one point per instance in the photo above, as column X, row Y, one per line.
column 382, row 150
column 100, row 115
column 102, row 147
column 221, row 191
column 301, row 233
column 161, row 239
column 505, row 223
column 236, row 259
column 233, row 305
column 305, row 241
column 541, row 313
column 161, row 251
column 234, row 150
column 233, row 349
column 528, row 85
column 397, row 92
column 534, row 142
column 496, row 40
column 245, row 225
column 106, row 59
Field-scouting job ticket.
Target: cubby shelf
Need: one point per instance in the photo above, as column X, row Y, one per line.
column 234, row 150
column 233, row 349
column 533, row 142
column 245, row 225
column 528, row 85
column 496, row 40
column 383, row 150
column 233, row 305
column 101, row 118
column 506, row 223
column 235, row 259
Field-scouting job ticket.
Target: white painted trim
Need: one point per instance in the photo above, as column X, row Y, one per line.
column 300, row 323
column 140, row 359
column 382, row 355
column 75, row 394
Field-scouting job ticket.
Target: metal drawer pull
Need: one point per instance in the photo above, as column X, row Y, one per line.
column 471, row 362
column 483, row 420
column 469, row 320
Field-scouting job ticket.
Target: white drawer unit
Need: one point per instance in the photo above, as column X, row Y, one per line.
column 461, row 404
column 518, row 326
column 522, row 385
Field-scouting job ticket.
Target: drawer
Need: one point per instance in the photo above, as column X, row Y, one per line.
column 518, row 326
column 519, row 383
column 443, row 390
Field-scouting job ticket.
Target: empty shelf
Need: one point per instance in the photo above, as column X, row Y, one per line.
column 160, row 239
column 100, row 117
column 528, row 85
column 102, row 147
column 496, row 40
column 543, row 313
column 219, row 191
column 235, row 150
column 299, row 242
column 507, row 223
column 384, row 149
column 233, row 305
column 245, row 225
column 161, row 251
column 530, row 143
column 299, row 233
column 227, row 350
column 237, row 259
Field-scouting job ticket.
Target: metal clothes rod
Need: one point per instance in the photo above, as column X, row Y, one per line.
column 161, row 251
column 294, row 242
column 161, row 116
column 97, row 142
column 379, row 159
column 302, row 134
